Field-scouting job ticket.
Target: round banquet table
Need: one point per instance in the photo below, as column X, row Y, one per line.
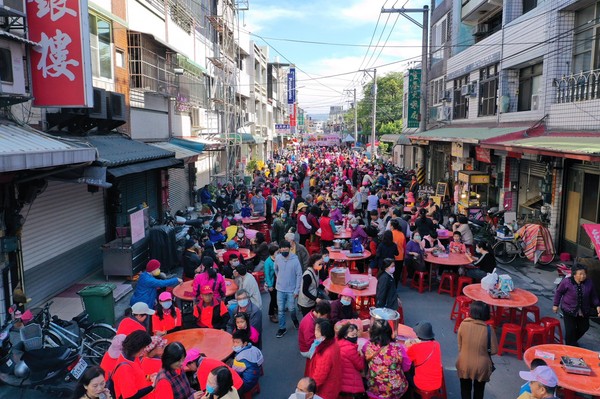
column 253, row 220
column 519, row 298
column 453, row 259
column 251, row 233
column 215, row 344
column 587, row 384
column 185, row 290
column 342, row 233
column 444, row 234
column 342, row 256
column 246, row 253
column 371, row 290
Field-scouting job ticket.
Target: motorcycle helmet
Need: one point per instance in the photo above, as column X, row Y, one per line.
column 21, row 370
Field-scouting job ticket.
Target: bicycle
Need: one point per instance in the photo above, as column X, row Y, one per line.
column 91, row 340
column 506, row 251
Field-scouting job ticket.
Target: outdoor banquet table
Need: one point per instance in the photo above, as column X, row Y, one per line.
column 453, row 259
column 586, row 384
column 215, row 344
column 364, row 298
column 519, row 298
column 246, row 253
column 251, row 233
column 342, row 256
column 404, row 331
column 185, row 290
column 254, row 220
column 342, row 233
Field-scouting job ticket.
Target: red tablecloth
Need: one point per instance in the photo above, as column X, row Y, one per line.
column 371, row 290
column 252, row 220
column 453, row 259
column 214, row 343
column 519, row 298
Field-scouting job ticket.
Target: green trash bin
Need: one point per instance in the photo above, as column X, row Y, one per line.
column 248, row 180
column 99, row 303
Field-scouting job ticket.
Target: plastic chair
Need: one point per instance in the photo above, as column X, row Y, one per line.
column 255, row 390
column 440, row 393
column 462, row 281
column 400, row 312
column 451, row 279
column 462, row 314
column 535, row 334
column 418, row 281
column 551, row 324
column 535, row 310
column 404, row 275
column 459, row 302
column 260, row 280
column 517, row 331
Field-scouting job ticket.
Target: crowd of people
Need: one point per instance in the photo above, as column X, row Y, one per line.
column 306, row 197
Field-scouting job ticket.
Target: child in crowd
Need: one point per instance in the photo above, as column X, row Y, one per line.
column 242, row 323
column 456, row 245
column 248, row 360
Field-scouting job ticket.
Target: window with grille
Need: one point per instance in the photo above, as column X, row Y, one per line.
column 488, row 90
column 460, row 110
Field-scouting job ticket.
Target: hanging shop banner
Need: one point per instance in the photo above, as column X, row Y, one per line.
column 483, row 155
column 292, row 112
column 593, row 230
column 414, row 98
column 458, row 150
column 282, row 129
column 136, row 221
column 326, row 140
column 61, row 74
column 291, row 86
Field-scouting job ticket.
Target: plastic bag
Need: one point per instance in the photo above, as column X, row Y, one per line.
column 505, row 283
column 489, row 282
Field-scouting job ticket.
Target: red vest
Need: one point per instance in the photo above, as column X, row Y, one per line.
column 301, row 227
column 326, row 230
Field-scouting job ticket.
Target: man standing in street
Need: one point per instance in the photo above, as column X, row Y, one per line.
column 259, row 204
column 289, row 277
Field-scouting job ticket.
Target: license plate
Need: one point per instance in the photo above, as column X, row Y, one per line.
column 79, row 368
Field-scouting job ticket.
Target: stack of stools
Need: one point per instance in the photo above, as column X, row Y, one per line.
column 551, row 324
column 517, row 332
column 461, row 301
column 437, row 394
column 450, row 278
column 419, row 282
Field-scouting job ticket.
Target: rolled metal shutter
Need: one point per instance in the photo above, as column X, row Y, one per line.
column 61, row 238
column 179, row 192
column 534, row 168
column 137, row 189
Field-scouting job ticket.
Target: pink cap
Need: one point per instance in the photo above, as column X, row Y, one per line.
column 192, row 355
column 165, row 296
column 348, row 292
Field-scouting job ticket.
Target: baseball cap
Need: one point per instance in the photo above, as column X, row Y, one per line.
column 141, row 308
column 205, row 290
column 191, row 355
column 542, row 374
column 165, row 296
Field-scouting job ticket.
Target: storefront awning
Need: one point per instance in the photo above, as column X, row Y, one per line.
column 244, row 138
column 401, row 139
column 471, row 135
column 258, row 139
column 24, row 148
column 581, row 146
column 181, row 152
column 195, row 142
column 348, row 139
column 124, row 156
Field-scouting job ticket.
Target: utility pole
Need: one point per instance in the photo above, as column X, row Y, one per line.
column 355, row 116
column 424, row 63
column 374, row 92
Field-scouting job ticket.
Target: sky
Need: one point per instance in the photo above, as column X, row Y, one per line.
column 279, row 24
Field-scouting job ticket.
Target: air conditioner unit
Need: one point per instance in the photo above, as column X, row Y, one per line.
column 447, row 95
column 250, row 117
column 464, row 90
column 117, row 106
column 13, row 5
column 481, row 29
column 535, row 102
column 98, row 111
column 433, row 113
column 444, row 113
column 195, row 115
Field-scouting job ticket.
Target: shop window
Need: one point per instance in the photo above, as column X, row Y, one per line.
column 6, row 72
column 101, row 47
column 488, row 90
column 530, row 80
column 460, row 109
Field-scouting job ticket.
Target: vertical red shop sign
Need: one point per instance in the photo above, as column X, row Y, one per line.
column 60, row 65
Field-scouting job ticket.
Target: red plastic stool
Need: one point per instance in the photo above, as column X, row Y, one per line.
column 551, row 324
column 255, row 390
column 418, row 281
column 400, row 312
column 404, row 275
column 536, row 334
column 459, row 302
column 260, row 280
column 462, row 281
column 437, row 394
column 533, row 309
column 517, row 331
column 450, row 278
column 463, row 313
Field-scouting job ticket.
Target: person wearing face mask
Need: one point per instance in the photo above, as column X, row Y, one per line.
column 270, row 281
column 171, row 381
column 305, row 389
column 190, row 260
column 303, row 226
column 309, row 291
column 486, row 263
column 216, row 235
column 289, row 278
column 415, row 260
column 258, row 203
column 344, row 307
column 281, row 226
column 247, row 361
column 167, row 317
column 128, row 377
column 328, row 229
column 298, row 249
column 231, row 248
column 241, row 239
column 245, row 306
column 306, row 331
column 210, row 312
column 136, row 320
column 358, row 232
column 147, row 285
column 352, row 363
column 246, row 281
column 228, row 221
column 219, row 385
column 386, row 295
column 325, row 363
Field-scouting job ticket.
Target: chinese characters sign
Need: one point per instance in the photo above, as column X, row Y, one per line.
column 293, row 117
column 282, row 129
column 291, row 86
column 414, row 98
column 60, row 65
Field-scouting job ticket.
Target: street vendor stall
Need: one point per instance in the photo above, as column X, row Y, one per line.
column 474, row 193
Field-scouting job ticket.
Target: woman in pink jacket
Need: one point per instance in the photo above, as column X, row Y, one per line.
column 351, row 362
column 210, row 277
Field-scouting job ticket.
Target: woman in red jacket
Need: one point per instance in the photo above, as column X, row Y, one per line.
column 327, row 229
column 325, row 363
column 351, row 363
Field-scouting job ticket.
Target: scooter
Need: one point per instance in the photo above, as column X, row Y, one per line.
column 28, row 365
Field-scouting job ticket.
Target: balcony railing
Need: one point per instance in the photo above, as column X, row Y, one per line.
column 578, row 87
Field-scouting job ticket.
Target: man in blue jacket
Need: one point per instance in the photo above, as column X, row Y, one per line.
column 289, row 276
column 148, row 284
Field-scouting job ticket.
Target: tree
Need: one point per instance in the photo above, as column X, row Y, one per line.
column 389, row 104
